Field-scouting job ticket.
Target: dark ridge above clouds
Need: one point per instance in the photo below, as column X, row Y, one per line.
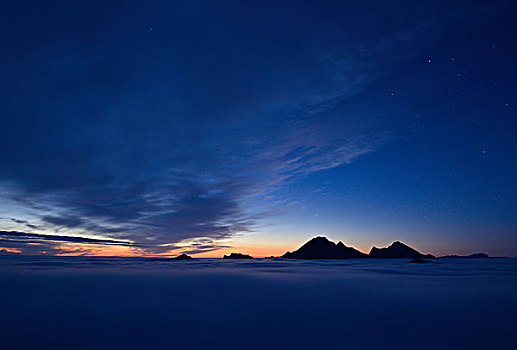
column 322, row 248
column 397, row 250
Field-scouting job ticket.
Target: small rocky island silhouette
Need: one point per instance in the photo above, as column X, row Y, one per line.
column 237, row 256
column 182, row 257
column 179, row 257
column 322, row 248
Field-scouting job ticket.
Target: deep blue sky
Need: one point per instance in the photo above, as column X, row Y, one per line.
column 256, row 125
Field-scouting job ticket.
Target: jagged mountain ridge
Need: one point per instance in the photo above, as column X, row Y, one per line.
column 322, row 248
column 398, row 250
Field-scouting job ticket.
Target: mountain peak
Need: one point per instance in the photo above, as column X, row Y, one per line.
column 320, row 239
column 183, row 257
column 397, row 250
column 322, row 248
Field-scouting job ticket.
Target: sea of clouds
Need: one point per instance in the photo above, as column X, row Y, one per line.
column 74, row 302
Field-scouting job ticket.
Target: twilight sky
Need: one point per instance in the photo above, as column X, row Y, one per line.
column 145, row 128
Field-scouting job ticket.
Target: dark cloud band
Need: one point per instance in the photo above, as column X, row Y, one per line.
column 26, row 237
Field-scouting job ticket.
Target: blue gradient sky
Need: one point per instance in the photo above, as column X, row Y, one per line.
column 213, row 126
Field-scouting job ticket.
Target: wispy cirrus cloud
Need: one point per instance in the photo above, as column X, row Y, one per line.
column 193, row 199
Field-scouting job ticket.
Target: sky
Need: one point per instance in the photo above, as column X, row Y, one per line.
column 155, row 128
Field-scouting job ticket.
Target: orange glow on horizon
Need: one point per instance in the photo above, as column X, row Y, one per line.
column 251, row 248
column 10, row 250
column 254, row 251
column 81, row 249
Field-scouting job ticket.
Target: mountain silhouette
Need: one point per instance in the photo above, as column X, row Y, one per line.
column 182, row 257
column 322, row 248
column 237, row 256
column 478, row 256
column 398, row 250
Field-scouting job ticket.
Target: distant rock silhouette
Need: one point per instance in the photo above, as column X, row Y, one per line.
column 237, row 256
column 471, row 256
column 179, row 257
column 398, row 250
column 478, row 256
column 182, row 257
column 420, row 261
column 322, row 248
